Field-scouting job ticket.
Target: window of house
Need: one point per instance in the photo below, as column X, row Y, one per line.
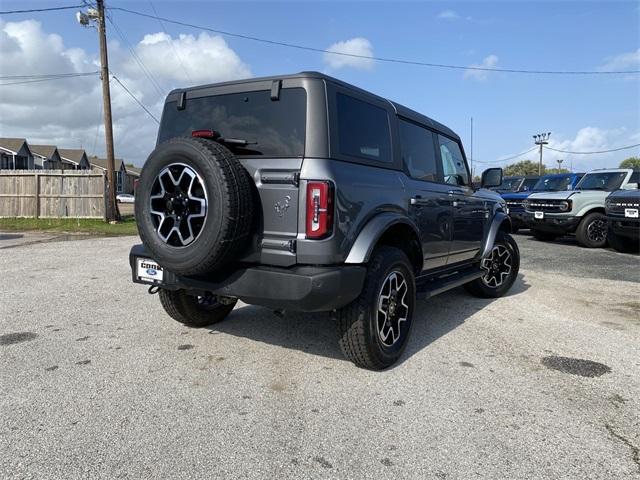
column 453, row 165
column 418, row 152
column 363, row 129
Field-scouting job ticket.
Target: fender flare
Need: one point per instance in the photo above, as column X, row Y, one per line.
column 499, row 219
column 368, row 237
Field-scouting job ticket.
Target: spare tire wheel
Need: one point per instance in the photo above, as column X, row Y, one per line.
column 193, row 205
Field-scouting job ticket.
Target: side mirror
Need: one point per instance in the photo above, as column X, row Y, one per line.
column 491, row 177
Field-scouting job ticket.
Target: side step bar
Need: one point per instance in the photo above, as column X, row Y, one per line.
column 437, row 285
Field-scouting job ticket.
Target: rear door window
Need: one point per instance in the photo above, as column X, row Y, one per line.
column 271, row 128
column 418, row 151
column 363, row 130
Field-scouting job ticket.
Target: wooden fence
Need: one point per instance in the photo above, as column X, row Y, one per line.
column 52, row 193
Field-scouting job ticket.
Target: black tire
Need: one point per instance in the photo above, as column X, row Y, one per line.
column 227, row 192
column 194, row 311
column 622, row 244
column 499, row 277
column 543, row 236
column 360, row 337
column 592, row 230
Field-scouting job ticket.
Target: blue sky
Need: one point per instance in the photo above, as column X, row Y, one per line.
column 582, row 112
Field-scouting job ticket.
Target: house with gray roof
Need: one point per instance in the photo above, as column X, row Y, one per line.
column 46, row 157
column 123, row 181
column 74, row 159
column 15, row 154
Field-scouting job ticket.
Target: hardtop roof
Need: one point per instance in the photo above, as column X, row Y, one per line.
column 399, row 109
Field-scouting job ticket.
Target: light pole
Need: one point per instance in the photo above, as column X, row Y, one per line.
column 97, row 15
column 541, row 139
column 559, row 160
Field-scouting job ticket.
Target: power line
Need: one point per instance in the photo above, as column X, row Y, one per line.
column 378, row 59
column 33, row 10
column 173, row 47
column 135, row 98
column 147, row 73
column 600, row 151
column 46, row 79
column 46, row 75
column 508, row 158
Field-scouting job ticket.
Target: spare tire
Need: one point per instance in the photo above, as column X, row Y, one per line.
column 193, row 205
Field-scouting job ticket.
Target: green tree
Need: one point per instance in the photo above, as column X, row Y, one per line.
column 523, row 167
column 549, row 171
column 631, row 162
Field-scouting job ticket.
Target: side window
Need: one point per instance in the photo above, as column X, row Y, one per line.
column 453, row 167
column 418, row 152
column 363, row 130
column 635, row 178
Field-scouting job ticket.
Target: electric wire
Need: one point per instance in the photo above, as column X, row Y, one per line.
column 34, row 10
column 377, row 59
column 46, row 79
column 595, row 152
column 135, row 98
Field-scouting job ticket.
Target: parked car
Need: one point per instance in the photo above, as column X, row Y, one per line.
column 580, row 211
column 125, row 198
column 517, row 184
column 547, row 183
column 329, row 199
column 622, row 209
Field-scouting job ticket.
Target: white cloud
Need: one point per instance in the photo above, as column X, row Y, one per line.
column 591, row 139
column 68, row 112
column 624, row 61
column 355, row 46
column 448, row 15
column 481, row 75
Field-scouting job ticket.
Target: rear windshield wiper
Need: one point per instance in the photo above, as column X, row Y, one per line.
column 241, row 142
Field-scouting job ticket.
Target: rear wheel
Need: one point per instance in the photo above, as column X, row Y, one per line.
column 195, row 311
column 543, row 236
column 592, row 231
column 375, row 327
column 500, row 268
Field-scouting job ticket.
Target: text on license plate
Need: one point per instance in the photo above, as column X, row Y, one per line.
column 631, row 212
column 538, row 215
column 148, row 270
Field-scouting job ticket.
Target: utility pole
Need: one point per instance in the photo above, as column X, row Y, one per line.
column 471, row 149
column 541, row 139
column 98, row 16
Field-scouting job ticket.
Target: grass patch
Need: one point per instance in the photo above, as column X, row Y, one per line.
column 92, row 226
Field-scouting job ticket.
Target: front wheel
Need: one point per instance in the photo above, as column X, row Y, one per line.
column 592, row 231
column 375, row 327
column 500, row 269
column 195, row 311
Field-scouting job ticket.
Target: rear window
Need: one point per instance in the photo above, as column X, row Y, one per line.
column 363, row 129
column 271, row 128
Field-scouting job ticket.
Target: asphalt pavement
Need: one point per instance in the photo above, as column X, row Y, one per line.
column 97, row 382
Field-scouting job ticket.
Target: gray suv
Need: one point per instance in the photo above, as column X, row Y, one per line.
column 305, row 193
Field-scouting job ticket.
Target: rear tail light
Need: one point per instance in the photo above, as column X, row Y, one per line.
column 319, row 210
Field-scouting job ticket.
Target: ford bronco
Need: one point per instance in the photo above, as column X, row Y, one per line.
column 548, row 183
column 623, row 219
column 304, row 193
column 580, row 211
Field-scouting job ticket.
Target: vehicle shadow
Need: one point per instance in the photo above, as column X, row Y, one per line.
column 316, row 333
column 10, row 236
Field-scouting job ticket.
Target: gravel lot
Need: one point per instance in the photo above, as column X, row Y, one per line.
column 97, row 382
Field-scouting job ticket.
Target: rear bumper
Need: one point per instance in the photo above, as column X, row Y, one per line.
column 301, row 288
column 553, row 224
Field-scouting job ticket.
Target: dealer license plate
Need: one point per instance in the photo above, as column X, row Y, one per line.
column 631, row 212
column 538, row 215
column 149, row 271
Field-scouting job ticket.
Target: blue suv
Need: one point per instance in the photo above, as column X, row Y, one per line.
column 547, row 183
